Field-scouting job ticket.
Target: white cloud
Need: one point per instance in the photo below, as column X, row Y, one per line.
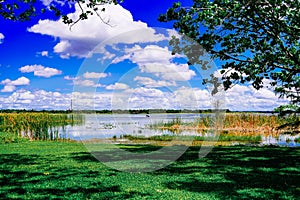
column 227, row 72
column 48, row 2
column 117, row 86
column 39, row 70
column 86, row 83
column 69, row 78
column 20, row 81
column 242, row 97
column 239, row 98
column 193, row 98
column 87, row 34
column 10, row 86
column 146, row 92
column 151, row 53
column 26, row 95
column 156, row 60
column 136, row 98
column 171, row 71
column 91, row 100
column 121, row 58
column 40, row 99
column 149, row 82
column 45, row 53
column 1, row 38
column 94, row 75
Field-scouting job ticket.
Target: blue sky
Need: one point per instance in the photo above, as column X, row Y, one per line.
column 124, row 65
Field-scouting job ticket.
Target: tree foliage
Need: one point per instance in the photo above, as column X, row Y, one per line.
column 24, row 10
column 255, row 40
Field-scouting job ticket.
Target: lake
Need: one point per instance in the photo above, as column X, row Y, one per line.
column 102, row 126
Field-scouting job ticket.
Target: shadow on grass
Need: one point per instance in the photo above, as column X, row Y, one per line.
column 240, row 172
column 225, row 173
column 42, row 177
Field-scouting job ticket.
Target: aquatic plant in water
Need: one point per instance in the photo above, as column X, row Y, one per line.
column 37, row 126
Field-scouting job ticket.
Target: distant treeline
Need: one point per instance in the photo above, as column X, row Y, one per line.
column 119, row 111
column 34, row 111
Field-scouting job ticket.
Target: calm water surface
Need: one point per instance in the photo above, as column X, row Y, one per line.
column 106, row 125
column 101, row 126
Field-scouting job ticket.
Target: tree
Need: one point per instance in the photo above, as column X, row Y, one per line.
column 255, row 40
column 17, row 10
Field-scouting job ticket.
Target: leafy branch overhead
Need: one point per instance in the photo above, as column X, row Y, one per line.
column 17, row 10
column 254, row 40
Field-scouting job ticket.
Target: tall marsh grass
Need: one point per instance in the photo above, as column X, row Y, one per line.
column 241, row 124
column 37, row 126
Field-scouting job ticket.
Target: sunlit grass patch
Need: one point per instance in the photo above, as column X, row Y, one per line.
column 66, row 170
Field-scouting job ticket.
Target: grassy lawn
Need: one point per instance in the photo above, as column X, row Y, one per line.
column 65, row 170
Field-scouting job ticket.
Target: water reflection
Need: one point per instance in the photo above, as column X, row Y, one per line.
column 102, row 126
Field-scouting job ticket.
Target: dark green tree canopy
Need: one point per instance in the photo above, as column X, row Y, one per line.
column 254, row 40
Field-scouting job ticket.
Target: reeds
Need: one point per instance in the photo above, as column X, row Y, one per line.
column 37, row 126
column 236, row 124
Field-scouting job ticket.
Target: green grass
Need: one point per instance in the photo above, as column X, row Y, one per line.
column 221, row 138
column 65, row 170
column 11, row 138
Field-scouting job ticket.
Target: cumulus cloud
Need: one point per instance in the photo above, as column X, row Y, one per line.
column 69, row 78
column 45, row 53
column 242, row 97
column 39, row 99
column 20, row 81
column 39, row 70
column 117, row 86
column 149, row 82
column 193, row 98
column 26, row 95
column 85, row 35
column 10, row 86
column 94, row 75
column 136, row 98
column 1, row 38
column 151, row 53
column 238, row 98
column 146, row 92
column 157, row 60
column 84, row 100
column 86, row 83
column 171, row 71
